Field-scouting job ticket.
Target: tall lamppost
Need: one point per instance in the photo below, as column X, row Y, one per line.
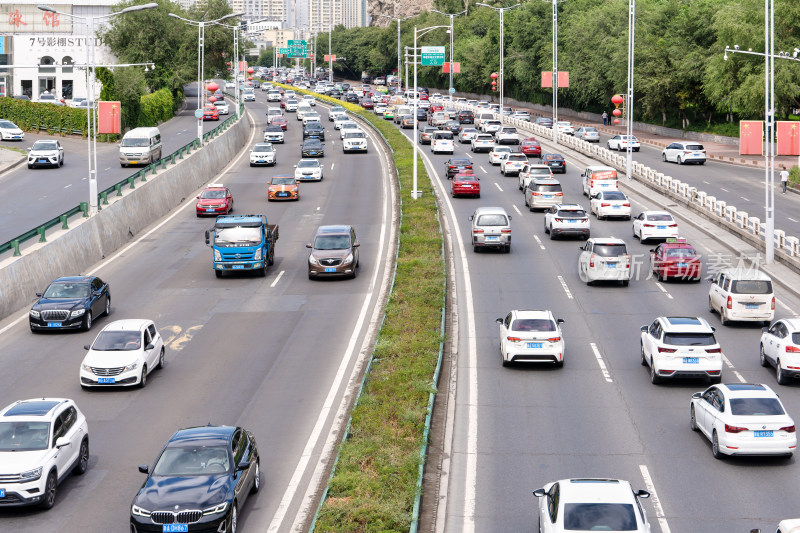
column 91, row 119
column 502, row 11
column 201, row 36
column 555, row 70
column 399, row 76
column 330, row 36
column 415, row 193
column 629, row 99
column 452, row 16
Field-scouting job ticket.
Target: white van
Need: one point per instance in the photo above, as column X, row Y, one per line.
column 402, row 110
column 599, row 179
column 140, row 146
column 480, row 117
column 742, row 294
column 443, row 142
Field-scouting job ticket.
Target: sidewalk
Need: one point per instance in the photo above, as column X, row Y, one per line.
column 10, row 158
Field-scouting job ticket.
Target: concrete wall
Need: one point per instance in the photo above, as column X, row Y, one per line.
column 73, row 251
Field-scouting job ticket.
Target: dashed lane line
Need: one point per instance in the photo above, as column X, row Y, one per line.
column 601, row 362
column 496, row 185
column 665, row 291
column 277, row 279
column 517, row 209
column 566, row 288
column 538, row 241
column 483, row 169
column 651, row 488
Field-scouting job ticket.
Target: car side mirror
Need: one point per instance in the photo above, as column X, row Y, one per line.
column 308, row 245
column 244, row 465
column 295, row 166
column 149, row 347
column 580, row 248
column 642, row 494
column 498, row 320
column 470, row 217
column 29, row 148
column 39, row 294
column 208, row 237
column 356, row 244
column 144, row 469
column 539, row 493
column 652, row 251
column 643, row 329
column 559, row 321
column 87, row 346
column 197, row 197
column 509, row 217
column 697, row 395
column 764, row 329
column 61, row 442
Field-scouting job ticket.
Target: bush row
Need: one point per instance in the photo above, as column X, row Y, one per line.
column 156, row 107
column 38, row 116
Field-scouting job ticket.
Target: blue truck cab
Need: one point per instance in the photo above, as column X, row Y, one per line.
column 242, row 242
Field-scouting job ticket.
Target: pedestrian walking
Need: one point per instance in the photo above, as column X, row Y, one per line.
column 605, row 118
column 784, row 179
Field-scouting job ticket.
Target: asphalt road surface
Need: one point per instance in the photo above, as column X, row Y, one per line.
column 271, row 354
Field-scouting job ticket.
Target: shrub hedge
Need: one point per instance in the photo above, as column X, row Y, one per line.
column 33, row 116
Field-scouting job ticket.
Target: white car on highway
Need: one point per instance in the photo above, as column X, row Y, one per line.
column 780, row 348
column 680, row 347
column 566, row 219
column 122, row 354
column 354, row 141
column 467, row 134
column 491, row 126
column 273, row 96
column 340, row 118
column 531, row 337
column 565, row 127
column 222, row 107
column 684, row 152
column 604, row 259
column 274, row 134
column 263, row 154
column 743, row 293
column 512, row 163
column 10, row 131
column 655, row 225
column 743, row 419
column 506, row 135
column 497, row 152
column 482, row 142
column 348, row 126
column 308, row 170
column 443, row 141
column 521, row 115
column 607, row 204
column 588, row 134
column 591, row 504
column 311, row 116
column 291, row 105
column 42, row 440
column 310, row 100
column 46, row 153
column 531, row 172
column 621, row 142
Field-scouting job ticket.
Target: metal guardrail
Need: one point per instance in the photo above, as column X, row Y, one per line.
column 116, row 189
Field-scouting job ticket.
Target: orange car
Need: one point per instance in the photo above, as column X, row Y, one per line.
column 283, row 188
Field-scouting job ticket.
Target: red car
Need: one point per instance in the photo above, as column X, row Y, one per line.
column 279, row 120
column 465, row 185
column 676, row 259
column 216, row 199
column 436, row 107
column 531, row 147
column 366, row 103
column 210, row 112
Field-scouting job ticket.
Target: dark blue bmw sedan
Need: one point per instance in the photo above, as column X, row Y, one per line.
column 199, row 482
column 70, row 303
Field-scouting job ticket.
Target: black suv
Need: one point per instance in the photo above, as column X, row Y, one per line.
column 314, row 130
column 352, row 98
column 457, row 165
column 466, row 117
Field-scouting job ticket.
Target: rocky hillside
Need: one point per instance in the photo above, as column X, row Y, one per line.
column 395, row 8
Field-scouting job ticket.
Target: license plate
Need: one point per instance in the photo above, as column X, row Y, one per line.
column 133, row 162
column 2, row 493
column 683, row 265
column 41, row 160
column 761, row 433
column 751, row 306
column 238, row 267
column 691, row 360
column 616, row 207
column 106, row 380
column 533, row 345
column 283, row 194
column 210, row 210
column 174, row 528
column 262, row 160
column 611, row 265
column 54, row 324
column 548, row 196
column 572, row 221
column 330, row 269
column 661, row 227
column 604, row 185
column 492, row 238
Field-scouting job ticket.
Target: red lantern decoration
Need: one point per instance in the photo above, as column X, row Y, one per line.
column 616, row 99
column 212, row 87
column 616, row 122
column 250, row 70
column 494, row 75
column 616, row 112
column 212, row 99
column 228, row 63
column 250, row 78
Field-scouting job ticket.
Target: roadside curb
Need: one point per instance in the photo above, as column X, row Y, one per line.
column 5, row 167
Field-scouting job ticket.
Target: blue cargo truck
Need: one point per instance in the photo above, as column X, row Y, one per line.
column 242, row 242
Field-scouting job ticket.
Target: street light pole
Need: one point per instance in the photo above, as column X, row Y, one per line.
column 452, row 33
column 555, row 71
column 502, row 11
column 91, row 113
column 629, row 99
column 330, row 36
column 399, row 76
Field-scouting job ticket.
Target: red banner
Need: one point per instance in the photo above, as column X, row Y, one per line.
column 751, row 137
column 329, row 57
column 563, row 79
column 109, row 117
column 242, row 66
column 788, row 137
column 456, row 67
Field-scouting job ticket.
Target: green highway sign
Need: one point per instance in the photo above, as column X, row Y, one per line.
column 284, row 51
column 297, row 48
column 432, row 56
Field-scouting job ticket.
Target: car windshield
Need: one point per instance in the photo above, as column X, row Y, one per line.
column 589, row 130
column 67, row 290
column 517, row 157
column 24, row 436
column 613, row 196
column 751, row 287
column 117, row 341
column 244, row 234
column 756, row 407
column 694, row 147
column 312, row 143
column 466, row 177
column 659, row 218
column 492, row 220
column 332, row 242
column 212, row 195
column 610, row 250
column 539, row 172
column 679, row 252
column 282, row 181
column 599, row 517
column 690, row 339
column 263, row 148
column 533, row 324
column 502, row 149
column 355, row 135
column 305, row 163
column 551, row 187
column 553, row 157
column 484, row 138
column 137, row 142
column 572, row 213
column 44, row 145
column 193, row 461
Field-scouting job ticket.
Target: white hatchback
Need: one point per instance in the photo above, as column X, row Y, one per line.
column 621, row 142
column 482, row 142
column 512, row 163
column 565, row 127
column 743, row 419
column 123, row 354
column 655, row 225
column 531, row 337
column 780, row 347
column 605, row 259
column 684, row 152
column 680, row 347
column 346, row 127
column 497, row 152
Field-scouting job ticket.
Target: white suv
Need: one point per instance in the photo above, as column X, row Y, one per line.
column 566, row 219
column 605, row 259
column 354, row 141
column 41, row 442
column 681, row 347
column 512, row 163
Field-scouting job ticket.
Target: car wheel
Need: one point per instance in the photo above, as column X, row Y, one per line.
column 143, row 377
column 560, row 364
column 506, row 364
column 692, row 420
column 61, row 163
column 108, row 306
column 83, row 459
column 634, row 232
column 780, row 377
column 475, row 248
column 654, row 377
column 679, row 160
column 552, row 235
column 546, row 229
column 582, row 274
column 626, row 282
column 722, row 318
column 256, row 480
column 218, row 273
column 710, row 305
column 271, row 255
column 715, row 446
column 50, row 488
column 162, row 358
column 87, row 322
column 763, row 357
column 664, row 157
column 644, row 359
column 608, row 146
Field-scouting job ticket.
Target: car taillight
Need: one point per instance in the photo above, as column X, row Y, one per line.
column 730, row 303
column 672, row 226
column 591, row 183
column 559, row 220
column 773, row 303
column 477, row 231
column 626, row 204
column 513, row 339
column 554, row 339
column 734, row 429
column 667, row 350
column 605, row 205
column 649, row 225
column 534, row 193
column 591, row 261
column 713, row 350
column 788, row 429
column 505, row 230
column 627, row 260
column 792, row 349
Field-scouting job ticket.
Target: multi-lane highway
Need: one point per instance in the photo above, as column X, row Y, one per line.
column 275, row 355
column 517, row 428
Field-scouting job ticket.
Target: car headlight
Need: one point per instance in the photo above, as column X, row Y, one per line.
column 86, row 367
column 35, row 313
column 312, row 260
column 77, row 312
column 215, row 509
column 217, row 255
column 132, row 366
column 139, row 511
column 257, row 256
column 348, row 259
column 31, row 475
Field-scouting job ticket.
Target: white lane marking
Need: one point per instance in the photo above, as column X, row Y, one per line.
column 664, row 290
column 724, row 189
column 651, row 488
column 538, row 241
column 318, row 208
column 332, row 165
column 108, row 168
column 483, row 169
column 727, row 362
column 707, row 182
column 564, row 285
column 786, row 307
column 739, row 376
column 277, row 279
column 790, row 218
column 517, row 209
column 600, row 362
column 67, row 186
column 496, row 185
column 745, row 199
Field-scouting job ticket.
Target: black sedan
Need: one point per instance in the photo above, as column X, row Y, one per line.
column 199, row 482
column 422, row 114
column 555, row 162
column 70, row 303
column 453, row 126
column 314, row 130
column 457, row 165
column 312, row 148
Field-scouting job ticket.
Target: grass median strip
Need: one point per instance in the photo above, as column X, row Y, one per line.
column 374, row 483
